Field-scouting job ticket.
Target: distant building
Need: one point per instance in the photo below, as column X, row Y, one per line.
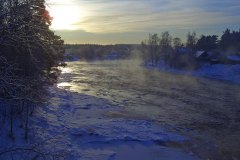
column 202, row 55
column 207, row 56
column 233, row 59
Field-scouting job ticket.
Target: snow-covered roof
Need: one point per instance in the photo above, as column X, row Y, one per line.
column 233, row 57
column 199, row 53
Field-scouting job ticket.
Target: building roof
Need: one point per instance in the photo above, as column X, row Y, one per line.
column 199, row 53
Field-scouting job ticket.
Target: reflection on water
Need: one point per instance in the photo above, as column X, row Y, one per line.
column 64, row 85
column 72, row 79
column 65, row 70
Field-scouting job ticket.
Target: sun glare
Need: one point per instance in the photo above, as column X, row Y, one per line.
column 65, row 17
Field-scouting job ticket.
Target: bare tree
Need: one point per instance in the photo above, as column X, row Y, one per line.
column 153, row 48
column 165, row 41
column 177, row 43
column 191, row 40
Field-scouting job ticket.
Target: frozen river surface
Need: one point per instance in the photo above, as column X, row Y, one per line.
column 117, row 110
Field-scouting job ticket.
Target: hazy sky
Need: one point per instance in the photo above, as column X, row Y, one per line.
column 130, row 21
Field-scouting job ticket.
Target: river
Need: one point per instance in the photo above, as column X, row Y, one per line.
column 201, row 117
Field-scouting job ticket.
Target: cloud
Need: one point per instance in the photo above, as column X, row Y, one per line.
column 141, row 15
column 144, row 16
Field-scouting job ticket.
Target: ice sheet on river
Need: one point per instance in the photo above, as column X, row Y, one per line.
column 88, row 133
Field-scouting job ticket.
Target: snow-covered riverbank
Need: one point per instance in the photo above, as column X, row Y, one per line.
column 225, row 72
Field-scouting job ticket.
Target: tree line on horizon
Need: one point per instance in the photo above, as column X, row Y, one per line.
column 29, row 51
column 91, row 52
column 173, row 50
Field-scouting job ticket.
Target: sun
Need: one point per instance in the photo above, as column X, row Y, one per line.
column 65, row 17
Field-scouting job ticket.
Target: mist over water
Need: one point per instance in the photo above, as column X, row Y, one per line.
column 125, row 81
column 183, row 103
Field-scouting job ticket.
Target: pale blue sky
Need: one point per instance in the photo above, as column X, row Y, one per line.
column 130, row 21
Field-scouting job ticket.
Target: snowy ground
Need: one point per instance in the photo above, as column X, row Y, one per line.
column 226, row 72
column 116, row 110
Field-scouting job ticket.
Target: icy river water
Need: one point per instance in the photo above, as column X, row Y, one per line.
column 119, row 110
